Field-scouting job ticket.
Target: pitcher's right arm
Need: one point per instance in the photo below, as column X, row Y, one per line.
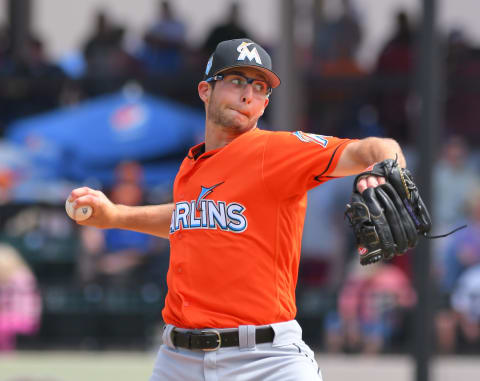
column 150, row 219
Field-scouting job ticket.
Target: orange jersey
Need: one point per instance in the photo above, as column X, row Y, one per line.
column 236, row 229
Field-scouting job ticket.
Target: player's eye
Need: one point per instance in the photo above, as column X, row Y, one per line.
column 260, row 87
column 237, row 81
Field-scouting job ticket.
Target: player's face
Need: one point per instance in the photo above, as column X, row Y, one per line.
column 235, row 104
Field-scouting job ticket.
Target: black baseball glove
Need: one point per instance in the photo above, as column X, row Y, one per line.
column 387, row 220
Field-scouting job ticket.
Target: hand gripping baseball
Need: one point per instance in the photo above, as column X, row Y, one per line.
column 104, row 211
column 387, row 219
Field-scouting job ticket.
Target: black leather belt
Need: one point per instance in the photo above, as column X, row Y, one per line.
column 212, row 340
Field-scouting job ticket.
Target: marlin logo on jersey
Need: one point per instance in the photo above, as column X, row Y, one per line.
column 314, row 138
column 245, row 52
column 204, row 193
column 203, row 213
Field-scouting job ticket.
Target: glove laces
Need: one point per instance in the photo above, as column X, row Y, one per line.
column 444, row 235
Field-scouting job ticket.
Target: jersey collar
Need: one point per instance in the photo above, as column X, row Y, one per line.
column 198, row 151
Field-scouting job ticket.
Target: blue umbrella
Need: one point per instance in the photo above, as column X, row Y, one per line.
column 87, row 141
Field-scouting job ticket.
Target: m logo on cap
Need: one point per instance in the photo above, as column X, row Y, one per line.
column 247, row 53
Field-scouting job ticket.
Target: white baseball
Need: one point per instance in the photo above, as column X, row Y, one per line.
column 80, row 214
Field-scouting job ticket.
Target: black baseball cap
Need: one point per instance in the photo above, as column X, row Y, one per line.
column 241, row 52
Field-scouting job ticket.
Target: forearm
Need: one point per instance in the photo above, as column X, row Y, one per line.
column 360, row 154
column 151, row 219
column 154, row 219
column 373, row 150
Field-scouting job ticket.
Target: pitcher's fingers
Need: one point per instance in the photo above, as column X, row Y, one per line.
column 362, row 185
column 88, row 199
column 79, row 192
column 381, row 180
column 372, row 181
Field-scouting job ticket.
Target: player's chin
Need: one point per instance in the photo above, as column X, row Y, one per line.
column 238, row 121
column 242, row 125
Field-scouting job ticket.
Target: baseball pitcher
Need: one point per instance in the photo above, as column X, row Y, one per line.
column 235, row 227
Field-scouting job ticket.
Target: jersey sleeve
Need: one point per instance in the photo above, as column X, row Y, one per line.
column 295, row 162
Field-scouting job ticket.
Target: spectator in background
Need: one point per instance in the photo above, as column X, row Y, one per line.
column 463, row 73
column 371, row 309
column 100, row 42
column 455, row 180
column 367, row 123
column 20, row 304
column 130, row 172
column 34, row 62
column 7, row 64
column 164, row 43
column 106, row 58
column 462, row 254
column 458, row 53
column 7, row 181
column 397, row 54
column 335, row 48
column 466, row 306
column 4, row 47
column 49, row 79
column 463, row 250
column 394, row 69
column 337, row 44
column 228, row 31
column 41, row 84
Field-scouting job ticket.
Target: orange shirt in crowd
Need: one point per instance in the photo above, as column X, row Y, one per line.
column 236, row 229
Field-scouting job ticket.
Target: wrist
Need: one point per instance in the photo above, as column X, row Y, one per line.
column 118, row 216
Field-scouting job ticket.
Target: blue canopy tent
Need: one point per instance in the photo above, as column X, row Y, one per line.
column 84, row 143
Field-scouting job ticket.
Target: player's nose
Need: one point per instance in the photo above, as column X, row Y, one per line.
column 247, row 94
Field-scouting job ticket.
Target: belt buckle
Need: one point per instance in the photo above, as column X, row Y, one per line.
column 219, row 340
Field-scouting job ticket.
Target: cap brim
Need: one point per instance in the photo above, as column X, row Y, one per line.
column 272, row 79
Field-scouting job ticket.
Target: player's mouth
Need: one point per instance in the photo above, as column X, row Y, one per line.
column 241, row 112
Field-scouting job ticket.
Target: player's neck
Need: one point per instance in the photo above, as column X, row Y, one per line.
column 219, row 136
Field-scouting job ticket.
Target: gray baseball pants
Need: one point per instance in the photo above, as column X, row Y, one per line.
column 287, row 358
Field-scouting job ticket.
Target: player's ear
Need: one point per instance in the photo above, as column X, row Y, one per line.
column 204, row 91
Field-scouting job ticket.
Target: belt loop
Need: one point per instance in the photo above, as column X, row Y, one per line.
column 167, row 335
column 246, row 337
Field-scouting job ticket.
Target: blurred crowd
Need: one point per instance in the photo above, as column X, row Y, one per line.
column 341, row 96
column 161, row 61
column 356, row 310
